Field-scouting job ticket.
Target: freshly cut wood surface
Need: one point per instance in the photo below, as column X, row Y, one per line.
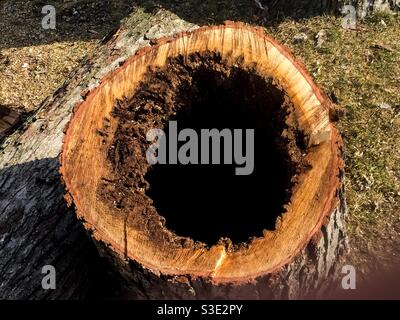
column 266, row 263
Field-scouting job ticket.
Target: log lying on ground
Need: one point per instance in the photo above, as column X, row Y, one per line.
column 106, row 174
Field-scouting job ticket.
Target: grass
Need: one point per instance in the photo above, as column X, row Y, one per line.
column 362, row 69
column 33, row 61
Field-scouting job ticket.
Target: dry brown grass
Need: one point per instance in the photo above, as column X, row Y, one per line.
column 362, row 69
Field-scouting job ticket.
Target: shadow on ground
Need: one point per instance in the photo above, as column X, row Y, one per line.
column 85, row 20
column 216, row 12
column 21, row 21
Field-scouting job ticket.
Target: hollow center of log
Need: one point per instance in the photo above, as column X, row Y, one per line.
column 207, row 202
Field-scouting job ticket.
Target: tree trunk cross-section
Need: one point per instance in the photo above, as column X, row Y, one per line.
column 296, row 259
column 37, row 228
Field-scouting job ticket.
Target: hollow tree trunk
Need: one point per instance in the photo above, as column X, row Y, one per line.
column 37, row 228
column 104, row 166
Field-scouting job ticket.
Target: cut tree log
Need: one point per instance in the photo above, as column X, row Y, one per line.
column 104, row 167
column 37, row 229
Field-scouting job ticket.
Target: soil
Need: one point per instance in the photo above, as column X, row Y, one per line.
column 204, row 204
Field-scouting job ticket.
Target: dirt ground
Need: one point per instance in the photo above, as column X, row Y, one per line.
column 359, row 70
